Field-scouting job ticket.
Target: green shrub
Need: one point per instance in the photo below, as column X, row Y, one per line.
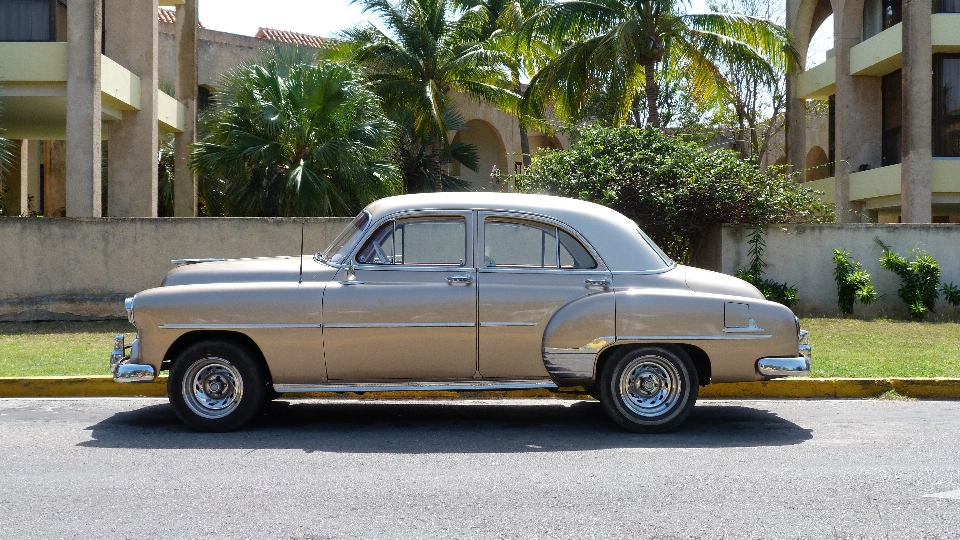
column 853, row 282
column 771, row 290
column 675, row 190
column 919, row 279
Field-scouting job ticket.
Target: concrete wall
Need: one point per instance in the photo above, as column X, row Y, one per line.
column 62, row 268
column 217, row 53
column 802, row 256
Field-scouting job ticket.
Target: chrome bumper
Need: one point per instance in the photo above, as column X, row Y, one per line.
column 795, row 366
column 124, row 367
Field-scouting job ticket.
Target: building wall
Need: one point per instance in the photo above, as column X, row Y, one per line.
column 217, row 53
column 802, row 256
column 62, row 268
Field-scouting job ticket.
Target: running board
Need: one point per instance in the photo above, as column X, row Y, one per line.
column 421, row 386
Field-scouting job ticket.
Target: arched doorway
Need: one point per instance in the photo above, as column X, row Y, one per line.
column 491, row 151
column 816, row 164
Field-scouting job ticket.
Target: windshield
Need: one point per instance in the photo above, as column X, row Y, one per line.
column 337, row 250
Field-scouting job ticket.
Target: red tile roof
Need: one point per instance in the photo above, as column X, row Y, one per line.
column 285, row 36
column 170, row 16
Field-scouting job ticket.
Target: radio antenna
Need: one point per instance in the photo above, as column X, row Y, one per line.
column 302, row 223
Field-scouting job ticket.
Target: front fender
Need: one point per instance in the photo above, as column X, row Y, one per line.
column 282, row 319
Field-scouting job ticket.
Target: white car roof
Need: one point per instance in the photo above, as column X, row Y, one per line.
column 615, row 237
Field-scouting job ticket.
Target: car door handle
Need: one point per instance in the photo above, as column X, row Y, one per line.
column 466, row 280
column 597, row 282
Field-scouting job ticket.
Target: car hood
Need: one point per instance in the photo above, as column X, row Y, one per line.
column 265, row 269
column 705, row 281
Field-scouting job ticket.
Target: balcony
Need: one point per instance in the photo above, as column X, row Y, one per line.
column 876, row 187
column 34, row 91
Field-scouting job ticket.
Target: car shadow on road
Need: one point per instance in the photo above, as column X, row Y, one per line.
column 446, row 427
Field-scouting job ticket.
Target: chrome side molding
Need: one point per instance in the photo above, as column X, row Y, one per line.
column 420, row 386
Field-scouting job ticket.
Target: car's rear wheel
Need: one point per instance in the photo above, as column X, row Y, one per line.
column 649, row 389
column 216, row 386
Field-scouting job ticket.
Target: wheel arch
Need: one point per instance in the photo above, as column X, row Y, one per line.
column 238, row 338
column 701, row 360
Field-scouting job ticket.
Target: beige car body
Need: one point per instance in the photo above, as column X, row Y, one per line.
column 353, row 326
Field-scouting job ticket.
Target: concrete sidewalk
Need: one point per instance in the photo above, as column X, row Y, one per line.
column 103, row 386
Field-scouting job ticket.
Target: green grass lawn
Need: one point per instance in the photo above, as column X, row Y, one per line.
column 841, row 348
column 883, row 348
column 59, row 348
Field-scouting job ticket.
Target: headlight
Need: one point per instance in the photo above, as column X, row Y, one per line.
column 128, row 305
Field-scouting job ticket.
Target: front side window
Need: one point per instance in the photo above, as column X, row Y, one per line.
column 434, row 241
column 532, row 245
column 337, row 249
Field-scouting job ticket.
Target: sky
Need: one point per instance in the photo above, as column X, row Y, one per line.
column 327, row 17
column 314, row 17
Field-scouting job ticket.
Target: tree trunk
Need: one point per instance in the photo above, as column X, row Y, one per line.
column 437, row 171
column 653, row 92
column 524, row 138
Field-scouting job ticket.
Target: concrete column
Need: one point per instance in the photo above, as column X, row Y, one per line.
column 54, row 178
column 795, row 128
column 858, row 130
column 184, row 179
column 131, row 41
column 84, row 34
column 30, row 162
column 916, row 172
column 795, row 131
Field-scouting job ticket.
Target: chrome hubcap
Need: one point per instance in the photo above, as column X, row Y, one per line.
column 212, row 388
column 650, row 386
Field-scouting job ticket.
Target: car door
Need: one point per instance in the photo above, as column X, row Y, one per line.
column 409, row 308
column 530, row 268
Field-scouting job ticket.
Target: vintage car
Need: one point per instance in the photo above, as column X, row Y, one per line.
column 466, row 291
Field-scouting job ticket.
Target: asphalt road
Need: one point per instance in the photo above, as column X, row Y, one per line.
column 125, row 468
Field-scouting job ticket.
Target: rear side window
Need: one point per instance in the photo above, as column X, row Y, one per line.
column 508, row 243
column 435, row 241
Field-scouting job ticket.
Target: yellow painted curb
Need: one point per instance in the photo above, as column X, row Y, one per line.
column 11, row 387
column 103, row 386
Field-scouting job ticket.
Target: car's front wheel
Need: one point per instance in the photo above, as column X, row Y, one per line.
column 649, row 389
column 216, row 386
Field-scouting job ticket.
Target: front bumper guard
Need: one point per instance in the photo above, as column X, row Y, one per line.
column 794, row 366
column 125, row 367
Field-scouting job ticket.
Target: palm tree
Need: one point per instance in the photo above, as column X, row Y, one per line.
column 296, row 136
column 626, row 41
column 498, row 24
column 423, row 54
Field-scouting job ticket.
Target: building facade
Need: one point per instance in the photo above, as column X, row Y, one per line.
column 890, row 95
column 74, row 73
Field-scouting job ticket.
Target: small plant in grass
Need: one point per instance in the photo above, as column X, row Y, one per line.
column 771, row 290
column 853, row 282
column 919, row 278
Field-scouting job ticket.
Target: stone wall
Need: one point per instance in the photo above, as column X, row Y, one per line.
column 62, row 268
column 802, row 256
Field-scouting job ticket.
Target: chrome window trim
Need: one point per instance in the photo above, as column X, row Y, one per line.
column 318, row 257
column 414, row 268
column 235, row 326
column 463, row 214
column 693, row 337
column 524, row 216
column 407, row 386
column 402, row 325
